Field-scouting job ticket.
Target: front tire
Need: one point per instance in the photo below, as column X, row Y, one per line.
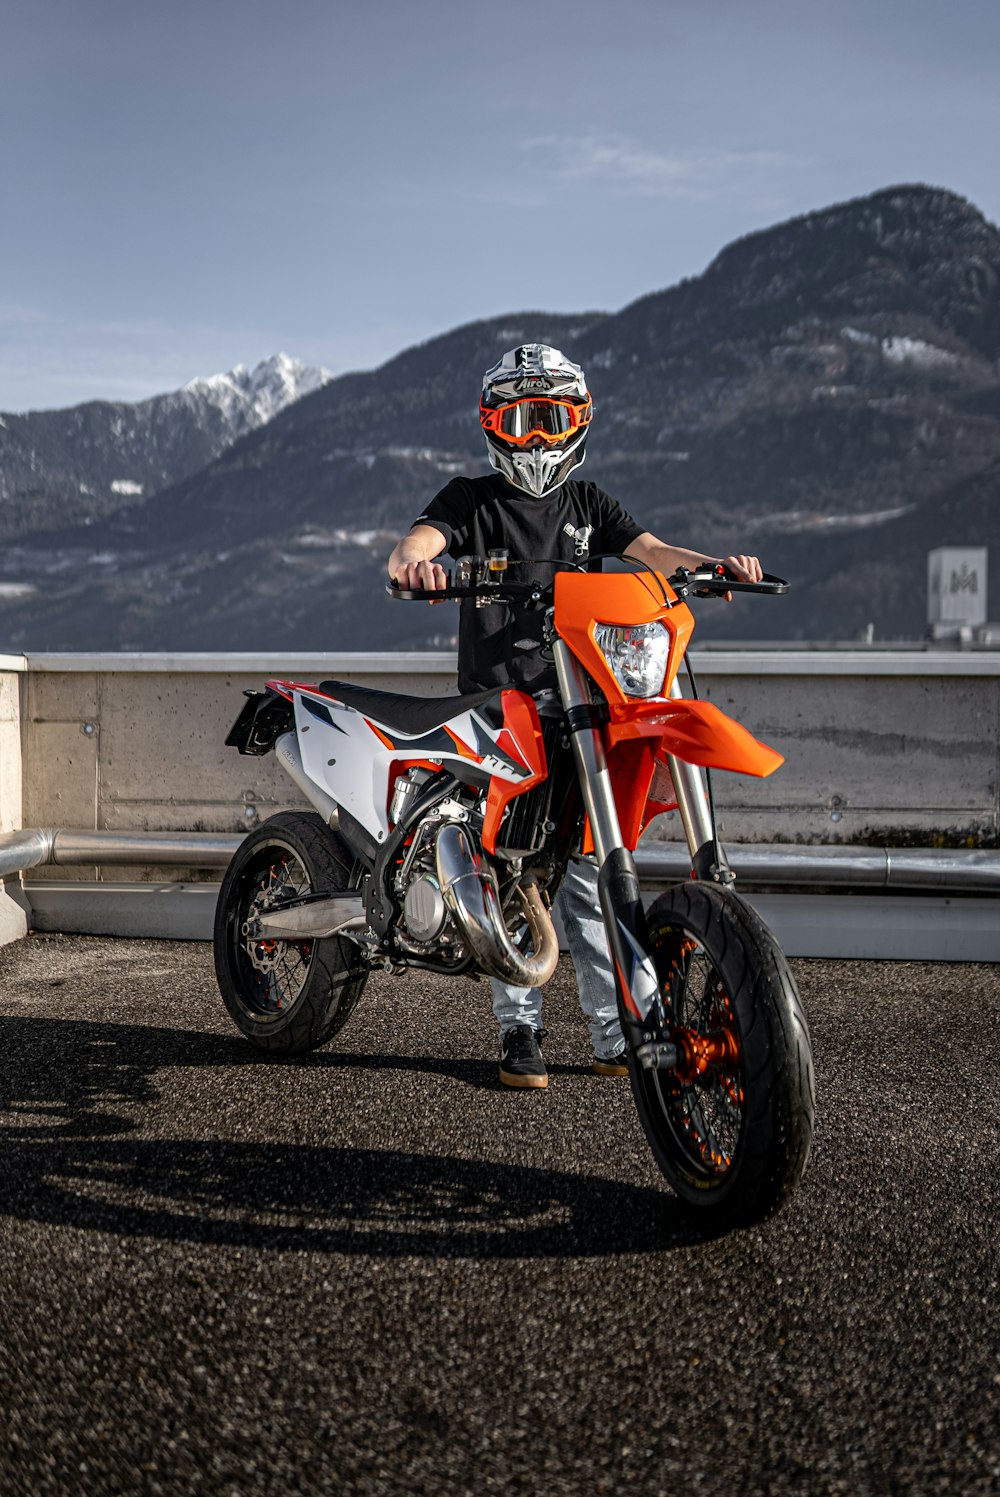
column 287, row 997
column 732, row 1127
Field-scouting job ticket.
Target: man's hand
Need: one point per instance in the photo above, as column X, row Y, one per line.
column 744, row 568
column 428, row 575
column 412, row 563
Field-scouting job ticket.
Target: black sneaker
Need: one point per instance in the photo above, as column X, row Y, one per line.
column 521, row 1062
column 615, row 1065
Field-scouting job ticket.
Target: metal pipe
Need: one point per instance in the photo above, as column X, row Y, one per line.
column 471, row 896
column 962, row 871
column 25, row 849
column 34, row 846
column 194, row 849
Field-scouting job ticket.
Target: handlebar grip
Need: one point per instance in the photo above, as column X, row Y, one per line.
column 416, row 594
column 426, row 594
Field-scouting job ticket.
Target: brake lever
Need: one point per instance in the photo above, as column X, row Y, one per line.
column 719, row 582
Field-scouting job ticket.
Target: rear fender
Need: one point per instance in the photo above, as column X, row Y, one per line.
column 266, row 715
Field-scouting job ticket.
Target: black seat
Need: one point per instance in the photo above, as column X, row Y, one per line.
column 408, row 714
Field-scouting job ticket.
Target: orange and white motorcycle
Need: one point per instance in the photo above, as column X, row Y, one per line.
column 441, row 830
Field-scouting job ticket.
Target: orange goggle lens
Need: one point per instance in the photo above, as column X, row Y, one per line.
column 534, row 417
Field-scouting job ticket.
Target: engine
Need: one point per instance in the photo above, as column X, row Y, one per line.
column 427, row 927
column 453, row 907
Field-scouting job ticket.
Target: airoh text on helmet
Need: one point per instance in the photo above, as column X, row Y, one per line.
column 535, row 410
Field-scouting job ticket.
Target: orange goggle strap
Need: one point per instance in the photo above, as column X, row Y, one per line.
column 578, row 416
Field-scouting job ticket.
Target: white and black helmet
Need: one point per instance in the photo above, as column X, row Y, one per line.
column 535, row 411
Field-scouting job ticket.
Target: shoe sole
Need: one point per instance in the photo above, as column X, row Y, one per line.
column 507, row 1078
column 610, row 1067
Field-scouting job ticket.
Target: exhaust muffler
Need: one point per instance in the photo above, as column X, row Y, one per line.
column 289, row 756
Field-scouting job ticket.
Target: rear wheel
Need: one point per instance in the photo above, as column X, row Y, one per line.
column 287, row 997
column 732, row 1126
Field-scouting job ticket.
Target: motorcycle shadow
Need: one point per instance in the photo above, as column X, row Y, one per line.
column 481, row 1074
column 75, row 1096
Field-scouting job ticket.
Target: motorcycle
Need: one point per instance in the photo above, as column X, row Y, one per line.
column 441, row 830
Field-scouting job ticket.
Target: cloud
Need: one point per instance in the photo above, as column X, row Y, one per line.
column 627, row 166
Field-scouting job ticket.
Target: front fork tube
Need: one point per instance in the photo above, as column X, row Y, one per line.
column 708, row 861
column 640, row 1007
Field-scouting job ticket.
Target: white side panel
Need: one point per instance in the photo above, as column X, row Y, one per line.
column 351, row 762
column 348, row 760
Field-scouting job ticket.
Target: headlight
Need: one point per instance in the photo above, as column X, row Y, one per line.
column 637, row 655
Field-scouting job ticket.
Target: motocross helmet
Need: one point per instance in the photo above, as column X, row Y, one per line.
column 535, row 410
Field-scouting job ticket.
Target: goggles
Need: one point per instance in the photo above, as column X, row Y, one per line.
column 535, row 417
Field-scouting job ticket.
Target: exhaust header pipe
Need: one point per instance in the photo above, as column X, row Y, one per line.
column 471, row 896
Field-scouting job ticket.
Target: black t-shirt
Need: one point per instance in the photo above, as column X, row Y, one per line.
column 498, row 646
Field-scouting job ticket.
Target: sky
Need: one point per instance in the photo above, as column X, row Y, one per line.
column 192, row 185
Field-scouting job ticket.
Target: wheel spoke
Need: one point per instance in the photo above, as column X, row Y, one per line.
column 275, row 970
column 704, row 1103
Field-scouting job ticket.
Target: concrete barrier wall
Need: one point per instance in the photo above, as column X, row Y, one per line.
column 13, row 911
column 879, row 746
column 11, row 671
column 137, row 742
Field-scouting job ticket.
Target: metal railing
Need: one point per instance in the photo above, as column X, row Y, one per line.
column 958, row 870
column 35, row 846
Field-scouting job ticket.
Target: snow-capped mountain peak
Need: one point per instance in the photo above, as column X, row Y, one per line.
column 249, row 398
column 113, row 453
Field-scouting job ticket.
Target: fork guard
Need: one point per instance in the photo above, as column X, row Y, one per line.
column 697, row 732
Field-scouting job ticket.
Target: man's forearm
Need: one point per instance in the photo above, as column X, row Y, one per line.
column 405, row 551
column 666, row 558
column 412, row 562
column 422, row 543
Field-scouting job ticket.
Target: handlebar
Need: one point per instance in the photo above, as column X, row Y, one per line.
column 496, row 592
column 705, row 582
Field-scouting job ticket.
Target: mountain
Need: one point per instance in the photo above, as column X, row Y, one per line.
column 76, row 466
column 826, row 393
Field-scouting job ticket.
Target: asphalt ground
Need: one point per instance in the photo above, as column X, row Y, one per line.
column 374, row 1271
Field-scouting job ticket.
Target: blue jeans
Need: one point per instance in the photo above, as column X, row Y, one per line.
column 580, row 911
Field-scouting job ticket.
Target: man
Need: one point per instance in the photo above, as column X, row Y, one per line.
column 535, row 411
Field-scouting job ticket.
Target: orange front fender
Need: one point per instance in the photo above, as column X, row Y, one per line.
column 697, row 732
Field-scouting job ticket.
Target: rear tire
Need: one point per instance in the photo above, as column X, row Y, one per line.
column 733, row 1140
column 286, row 997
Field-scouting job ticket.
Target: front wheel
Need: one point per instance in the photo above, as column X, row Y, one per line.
column 732, row 1126
column 287, row 997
